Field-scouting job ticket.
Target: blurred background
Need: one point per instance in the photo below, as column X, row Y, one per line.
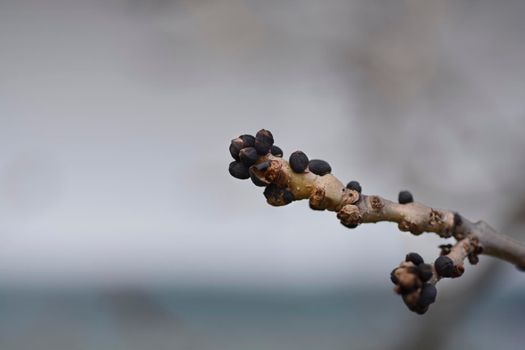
column 120, row 227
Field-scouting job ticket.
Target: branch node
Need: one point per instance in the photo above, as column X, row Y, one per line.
column 408, row 226
column 349, row 215
column 275, row 174
column 436, row 218
column 376, row 203
column 318, row 199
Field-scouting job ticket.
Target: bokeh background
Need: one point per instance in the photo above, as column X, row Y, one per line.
column 120, row 227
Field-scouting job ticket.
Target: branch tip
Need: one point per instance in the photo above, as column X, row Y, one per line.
column 257, row 158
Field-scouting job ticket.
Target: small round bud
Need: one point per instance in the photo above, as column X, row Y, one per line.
column 405, row 197
column 288, row 196
column 457, row 219
column 473, row 259
column 354, row 185
column 420, row 310
column 235, row 147
column 393, row 276
column 425, row 272
column 444, row 266
column 412, row 269
column 411, row 300
column 239, row 143
column 414, row 258
column 298, row 161
column 262, row 166
column 248, row 156
column 408, row 280
column 319, row 167
column 428, row 294
column 248, row 140
column 239, row 170
column 263, row 141
column 278, row 196
column 276, row 151
column 256, row 180
column 272, row 191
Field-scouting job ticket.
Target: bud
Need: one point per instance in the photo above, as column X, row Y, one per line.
column 263, row 141
column 428, row 294
column 276, row 151
column 319, row 167
column 354, row 185
column 248, row 156
column 415, row 258
column 239, row 170
column 444, row 266
column 405, row 197
column 298, row 161
column 425, row 272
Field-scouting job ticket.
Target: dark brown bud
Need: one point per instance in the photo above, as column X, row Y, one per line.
column 412, row 269
column 444, row 266
column 473, row 259
column 276, row 151
column 235, row 147
column 278, row 196
column 420, row 310
column 257, row 176
column 248, row 140
column 405, row 197
column 239, row 170
column 288, row 197
column 409, row 281
column 263, row 141
column 239, row 143
column 458, row 270
column 349, row 225
column 354, row 185
column 425, row 272
column 298, row 161
column 262, row 166
column 411, row 299
column 271, row 191
column 412, row 302
column 319, row 167
column 414, row 258
column 457, row 220
column 248, row 156
column 257, row 181
column 428, row 294
column 393, row 276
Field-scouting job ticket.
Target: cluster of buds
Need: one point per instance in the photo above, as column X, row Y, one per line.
column 257, row 158
column 414, row 282
column 254, row 158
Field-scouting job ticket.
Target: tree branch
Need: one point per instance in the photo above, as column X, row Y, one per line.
column 257, row 158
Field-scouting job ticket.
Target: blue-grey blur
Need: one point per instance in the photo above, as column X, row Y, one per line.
column 120, row 227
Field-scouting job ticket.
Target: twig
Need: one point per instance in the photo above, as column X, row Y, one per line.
column 257, row 158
